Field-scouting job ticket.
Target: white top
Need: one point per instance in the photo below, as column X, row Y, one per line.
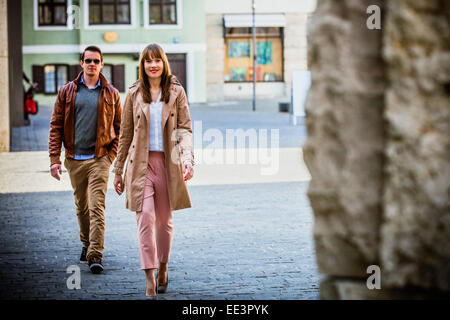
column 156, row 141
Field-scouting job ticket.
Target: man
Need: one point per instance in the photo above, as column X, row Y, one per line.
column 86, row 117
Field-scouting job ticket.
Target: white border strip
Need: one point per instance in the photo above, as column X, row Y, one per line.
column 46, row 49
column 113, row 48
column 261, row 20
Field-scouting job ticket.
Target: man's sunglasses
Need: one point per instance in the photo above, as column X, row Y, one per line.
column 88, row 61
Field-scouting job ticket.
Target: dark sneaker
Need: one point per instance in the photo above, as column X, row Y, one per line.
column 95, row 264
column 83, row 255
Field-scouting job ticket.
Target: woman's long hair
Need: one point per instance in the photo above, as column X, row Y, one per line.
column 154, row 51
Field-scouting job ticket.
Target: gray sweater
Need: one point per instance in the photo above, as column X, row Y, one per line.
column 86, row 104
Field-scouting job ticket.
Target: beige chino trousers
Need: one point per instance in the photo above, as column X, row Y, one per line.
column 89, row 179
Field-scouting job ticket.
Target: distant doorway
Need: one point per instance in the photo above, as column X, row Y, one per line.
column 178, row 67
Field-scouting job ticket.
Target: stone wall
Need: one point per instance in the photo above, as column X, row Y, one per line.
column 215, row 57
column 378, row 122
column 295, row 48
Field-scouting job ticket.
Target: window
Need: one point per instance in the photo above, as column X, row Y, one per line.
column 109, row 12
column 239, row 49
column 163, row 11
column 52, row 13
column 115, row 74
column 51, row 77
column 108, row 72
column 55, row 76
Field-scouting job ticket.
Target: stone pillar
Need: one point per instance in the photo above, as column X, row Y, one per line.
column 15, row 63
column 4, row 83
column 344, row 149
column 415, row 234
column 378, row 122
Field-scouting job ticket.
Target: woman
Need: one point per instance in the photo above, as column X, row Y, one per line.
column 156, row 135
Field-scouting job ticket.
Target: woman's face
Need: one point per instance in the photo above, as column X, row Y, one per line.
column 153, row 67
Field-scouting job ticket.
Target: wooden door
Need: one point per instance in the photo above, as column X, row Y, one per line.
column 177, row 64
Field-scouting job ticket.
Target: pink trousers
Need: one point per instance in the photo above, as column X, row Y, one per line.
column 154, row 222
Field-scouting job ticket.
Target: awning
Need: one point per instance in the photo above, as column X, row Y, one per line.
column 261, row 20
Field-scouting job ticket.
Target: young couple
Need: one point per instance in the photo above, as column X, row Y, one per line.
column 153, row 132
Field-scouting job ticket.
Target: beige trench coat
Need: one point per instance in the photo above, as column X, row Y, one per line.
column 134, row 142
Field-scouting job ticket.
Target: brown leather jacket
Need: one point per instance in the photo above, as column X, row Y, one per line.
column 62, row 123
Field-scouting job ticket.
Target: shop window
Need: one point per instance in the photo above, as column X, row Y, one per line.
column 163, row 11
column 52, row 13
column 109, row 12
column 239, row 51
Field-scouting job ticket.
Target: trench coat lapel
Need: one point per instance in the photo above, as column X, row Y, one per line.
column 145, row 109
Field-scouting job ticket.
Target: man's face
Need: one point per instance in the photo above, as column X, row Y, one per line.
column 92, row 63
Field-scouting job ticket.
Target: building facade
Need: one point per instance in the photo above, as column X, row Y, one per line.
column 55, row 32
column 280, row 46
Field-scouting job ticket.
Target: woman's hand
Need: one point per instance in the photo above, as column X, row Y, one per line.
column 118, row 184
column 188, row 171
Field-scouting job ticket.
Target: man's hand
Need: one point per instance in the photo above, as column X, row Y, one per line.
column 54, row 170
column 118, row 184
column 188, row 171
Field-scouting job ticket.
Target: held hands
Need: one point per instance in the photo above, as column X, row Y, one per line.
column 118, row 184
column 54, row 170
column 188, row 171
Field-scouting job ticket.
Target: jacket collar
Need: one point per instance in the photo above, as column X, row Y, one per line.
column 96, row 86
column 103, row 81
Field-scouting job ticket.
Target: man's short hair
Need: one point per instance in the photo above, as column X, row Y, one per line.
column 94, row 49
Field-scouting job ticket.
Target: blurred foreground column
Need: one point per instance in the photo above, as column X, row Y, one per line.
column 4, row 83
column 378, row 147
column 415, row 235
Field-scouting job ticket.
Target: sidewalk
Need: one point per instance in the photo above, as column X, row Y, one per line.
column 35, row 136
column 231, row 115
column 247, row 236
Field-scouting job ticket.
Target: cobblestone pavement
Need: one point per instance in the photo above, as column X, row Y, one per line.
column 238, row 241
column 35, row 136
